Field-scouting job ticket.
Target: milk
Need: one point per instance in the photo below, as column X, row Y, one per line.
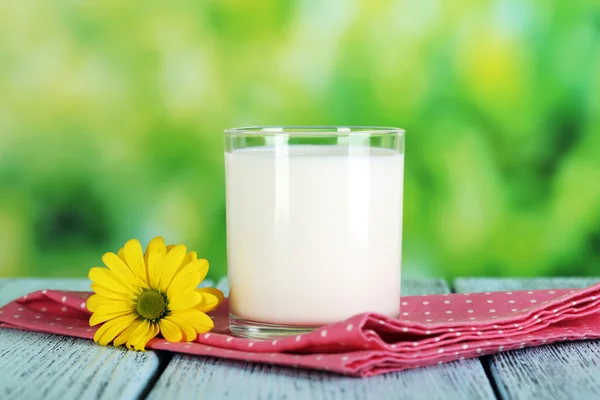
column 313, row 232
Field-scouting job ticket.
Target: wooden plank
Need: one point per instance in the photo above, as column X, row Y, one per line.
column 500, row 284
column 211, row 378
column 557, row 371
column 41, row 366
column 10, row 289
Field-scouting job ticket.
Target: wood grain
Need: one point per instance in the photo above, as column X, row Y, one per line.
column 558, row 371
column 210, row 378
column 40, row 366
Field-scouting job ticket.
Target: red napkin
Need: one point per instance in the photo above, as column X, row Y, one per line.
column 433, row 329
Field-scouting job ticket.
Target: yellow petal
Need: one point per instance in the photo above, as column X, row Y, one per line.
column 126, row 334
column 156, row 244
column 209, row 302
column 200, row 321
column 214, row 291
column 151, row 334
column 189, row 258
column 121, row 254
column 200, row 266
column 118, row 266
column 155, row 254
column 136, row 336
column 118, row 289
column 94, row 300
column 170, row 247
column 171, row 264
column 107, row 332
column 114, row 307
column 183, row 283
column 170, row 331
column 109, row 279
column 188, row 277
column 135, row 259
column 143, row 335
column 182, row 301
column 187, row 329
column 98, row 318
column 101, row 290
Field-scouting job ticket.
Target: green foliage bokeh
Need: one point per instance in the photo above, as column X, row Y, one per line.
column 111, row 120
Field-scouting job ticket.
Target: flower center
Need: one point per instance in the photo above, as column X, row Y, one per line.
column 152, row 305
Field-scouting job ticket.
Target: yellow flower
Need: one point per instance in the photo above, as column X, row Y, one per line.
column 143, row 294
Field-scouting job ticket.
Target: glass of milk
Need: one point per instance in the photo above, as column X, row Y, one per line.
column 314, row 226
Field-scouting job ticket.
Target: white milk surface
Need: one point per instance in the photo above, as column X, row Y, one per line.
column 314, row 232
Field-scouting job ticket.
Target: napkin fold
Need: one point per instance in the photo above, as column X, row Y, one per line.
column 432, row 329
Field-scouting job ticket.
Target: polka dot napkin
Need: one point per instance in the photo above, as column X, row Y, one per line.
column 432, row 329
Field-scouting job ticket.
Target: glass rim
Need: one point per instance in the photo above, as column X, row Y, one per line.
column 299, row 130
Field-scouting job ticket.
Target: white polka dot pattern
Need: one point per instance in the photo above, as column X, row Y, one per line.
column 431, row 330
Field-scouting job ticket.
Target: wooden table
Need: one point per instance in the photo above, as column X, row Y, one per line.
column 40, row 366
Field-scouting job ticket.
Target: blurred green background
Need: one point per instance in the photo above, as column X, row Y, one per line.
column 111, row 120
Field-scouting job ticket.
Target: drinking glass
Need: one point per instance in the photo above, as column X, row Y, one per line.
column 314, row 226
